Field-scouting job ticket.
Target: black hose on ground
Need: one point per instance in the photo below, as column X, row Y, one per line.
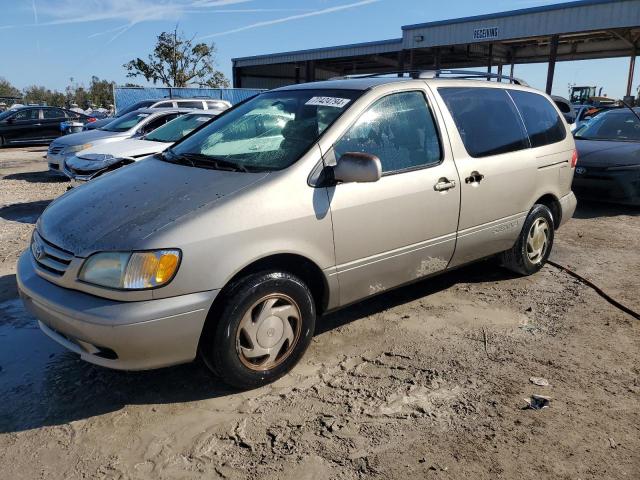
column 597, row 289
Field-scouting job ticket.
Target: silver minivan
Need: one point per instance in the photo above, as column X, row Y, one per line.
column 304, row 199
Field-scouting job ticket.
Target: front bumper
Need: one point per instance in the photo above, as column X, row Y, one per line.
column 77, row 180
column 622, row 186
column 122, row 335
column 55, row 162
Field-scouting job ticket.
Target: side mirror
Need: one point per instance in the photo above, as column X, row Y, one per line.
column 10, row 120
column 357, row 167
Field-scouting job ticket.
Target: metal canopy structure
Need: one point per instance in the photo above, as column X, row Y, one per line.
column 579, row 30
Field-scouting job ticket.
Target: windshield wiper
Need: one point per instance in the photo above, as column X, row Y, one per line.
column 205, row 161
column 169, row 156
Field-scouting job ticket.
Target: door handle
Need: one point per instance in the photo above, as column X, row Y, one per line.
column 475, row 177
column 444, row 184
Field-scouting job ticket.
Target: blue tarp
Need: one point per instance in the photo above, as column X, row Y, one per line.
column 125, row 96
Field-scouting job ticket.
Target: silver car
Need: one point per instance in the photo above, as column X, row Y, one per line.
column 95, row 161
column 234, row 241
column 131, row 125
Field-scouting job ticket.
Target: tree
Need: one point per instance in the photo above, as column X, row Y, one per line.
column 177, row 62
column 101, row 92
column 76, row 93
column 42, row 95
column 8, row 90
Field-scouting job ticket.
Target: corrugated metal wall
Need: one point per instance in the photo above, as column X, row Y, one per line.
column 572, row 18
column 125, row 96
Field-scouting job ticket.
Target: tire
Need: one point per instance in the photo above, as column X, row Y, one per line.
column 531, row 250
column 1, row 142
column 266, row 323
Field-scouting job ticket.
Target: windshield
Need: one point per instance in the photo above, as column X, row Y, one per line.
column 612, row 125
column 176, row 129
column 268, row 132
column 124, row 123
column 135, row 106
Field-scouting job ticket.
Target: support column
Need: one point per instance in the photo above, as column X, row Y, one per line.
column 632, row 66
column 490, row 61
column 513, row 65
column 236, row 73
column 401, row 58
column 310, row 71
column 553, row 53
column 297, row 73
column 437, row 57
column 499, row 71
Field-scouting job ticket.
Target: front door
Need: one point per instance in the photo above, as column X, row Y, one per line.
column 24, row 125
column 402, row 227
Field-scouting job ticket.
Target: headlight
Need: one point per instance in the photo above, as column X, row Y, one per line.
column 131, row 270
column 97, row 157
column 77, row 148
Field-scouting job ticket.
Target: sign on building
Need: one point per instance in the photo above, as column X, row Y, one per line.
column 485, row 33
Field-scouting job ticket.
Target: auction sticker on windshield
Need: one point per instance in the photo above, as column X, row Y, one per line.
column 328, row 101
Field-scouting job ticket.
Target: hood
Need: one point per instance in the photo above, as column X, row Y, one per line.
column 129, row 147
column 607, row 153
column 118, row 211
column 87, row 137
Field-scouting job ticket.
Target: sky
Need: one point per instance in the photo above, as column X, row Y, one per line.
column 47, row 42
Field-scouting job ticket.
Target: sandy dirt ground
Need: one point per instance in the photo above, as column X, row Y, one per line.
column 428, row 381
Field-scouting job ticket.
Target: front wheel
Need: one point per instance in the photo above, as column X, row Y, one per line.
column 533, row 247
column 266, row 324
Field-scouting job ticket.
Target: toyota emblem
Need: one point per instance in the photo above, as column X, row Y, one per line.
column 38, row 250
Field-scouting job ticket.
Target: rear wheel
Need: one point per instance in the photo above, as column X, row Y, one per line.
column 266, row 324
column 533, row 247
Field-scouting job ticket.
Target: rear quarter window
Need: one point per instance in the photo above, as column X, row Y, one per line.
column 541, row 120
column 487, row 120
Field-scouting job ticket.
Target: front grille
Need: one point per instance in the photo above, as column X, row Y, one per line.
column 55, row 149
column 49, row 257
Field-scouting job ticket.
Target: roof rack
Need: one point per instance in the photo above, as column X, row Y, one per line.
column 420, row 74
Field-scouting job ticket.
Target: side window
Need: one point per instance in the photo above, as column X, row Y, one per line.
column 190, row 104
column 399, row 129
column 487, row 120
column 52, row 113
column 27, row 114
column 541, row 120
column 158, row 122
